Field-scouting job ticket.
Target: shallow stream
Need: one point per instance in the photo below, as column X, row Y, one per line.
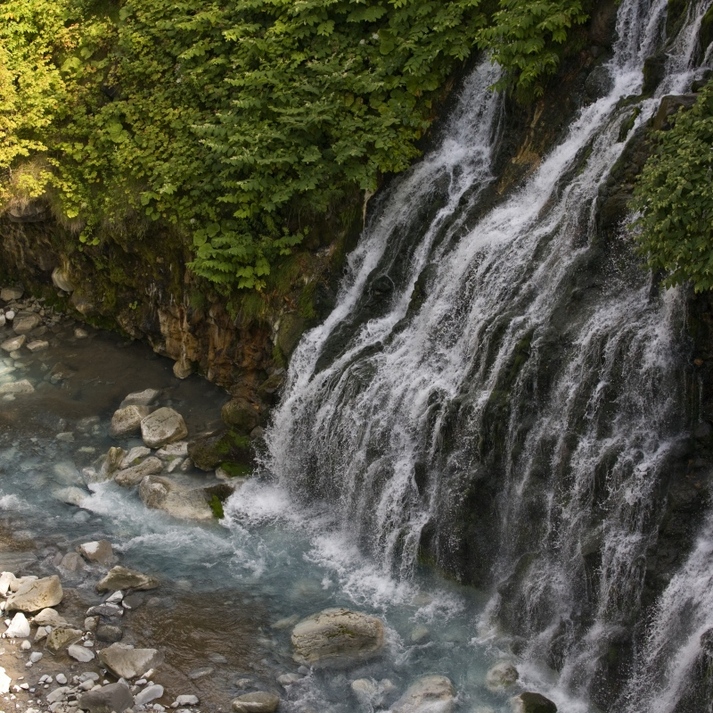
column 231, row 590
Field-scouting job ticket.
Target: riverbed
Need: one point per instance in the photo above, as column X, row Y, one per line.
column 231, row 590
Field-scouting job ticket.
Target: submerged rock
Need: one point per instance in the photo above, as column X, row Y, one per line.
column 501, row 675
column 123, row 578
column 127, row 662
column 337, row 637
column 35, row 595
column 163, row 426
column 259, row 702
column 140, row 398
column 530, row 702
column 17, row 387
column 429, row 694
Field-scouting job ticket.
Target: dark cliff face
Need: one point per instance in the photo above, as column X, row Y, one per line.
column 136, row 281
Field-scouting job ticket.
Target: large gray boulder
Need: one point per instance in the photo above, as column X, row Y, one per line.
column 163, row 426
column 120, row 578
column 428, row 694
column 337, row 637
column 35, row 595
column 127, row 420
column 258, row 702
column 115, row 697
column 129, row 477
column 127, row 662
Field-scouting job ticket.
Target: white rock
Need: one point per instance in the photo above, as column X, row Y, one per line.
column 80, row 653
column 163, row 426
column 19, row 628
column 5, row 681
column 185, row 700
column 6, row 579
column 36, row 656
column 25, row 645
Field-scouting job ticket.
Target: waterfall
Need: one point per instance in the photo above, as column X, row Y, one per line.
column 499, row 386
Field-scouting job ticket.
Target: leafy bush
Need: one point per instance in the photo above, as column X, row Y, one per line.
column 240, row 121
column 674, row 195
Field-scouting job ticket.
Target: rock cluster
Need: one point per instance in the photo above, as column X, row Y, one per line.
column 27, row 326
column 161, row 468
column 39, row 632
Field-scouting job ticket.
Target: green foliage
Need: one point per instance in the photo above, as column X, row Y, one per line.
column 674, row 195
column 527, row 38
column 239, row 121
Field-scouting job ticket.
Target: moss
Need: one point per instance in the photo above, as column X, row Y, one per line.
column 216, row 505
column 236, row 470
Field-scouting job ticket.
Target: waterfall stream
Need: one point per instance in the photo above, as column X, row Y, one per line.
column 501, row 388
column 499, row 392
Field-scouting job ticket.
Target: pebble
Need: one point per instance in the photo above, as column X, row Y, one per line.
column 60, row 678
column 35, row 656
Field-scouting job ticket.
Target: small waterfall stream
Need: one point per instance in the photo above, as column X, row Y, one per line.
column 501, row 389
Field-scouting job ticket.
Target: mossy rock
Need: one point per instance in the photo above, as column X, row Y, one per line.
column 212, row 450
column 291, row 327
column 241, row 415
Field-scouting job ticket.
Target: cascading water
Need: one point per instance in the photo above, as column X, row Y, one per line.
column 501, row 388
